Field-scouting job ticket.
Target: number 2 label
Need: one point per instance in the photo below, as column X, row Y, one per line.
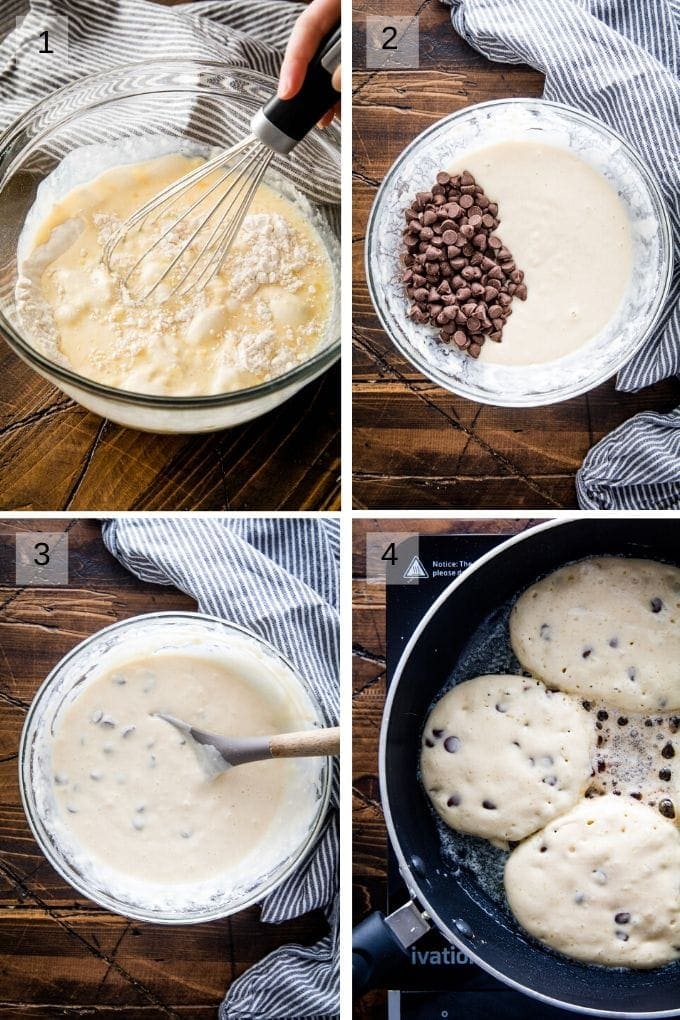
column 391, row 33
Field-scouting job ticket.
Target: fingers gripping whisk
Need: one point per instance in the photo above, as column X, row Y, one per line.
column 176, row 243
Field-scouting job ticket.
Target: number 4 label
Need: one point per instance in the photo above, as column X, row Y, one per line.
column 392, row 42
column 393, row 557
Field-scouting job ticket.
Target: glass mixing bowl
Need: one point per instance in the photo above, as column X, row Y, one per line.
column 162, row 631
column 202, row 105
column 553, row 124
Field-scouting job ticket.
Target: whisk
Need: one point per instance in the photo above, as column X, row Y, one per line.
column 199, row 234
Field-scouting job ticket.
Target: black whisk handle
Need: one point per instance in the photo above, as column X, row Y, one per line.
column 282, row 123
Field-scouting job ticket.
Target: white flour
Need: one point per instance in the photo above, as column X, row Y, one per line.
column 270, row 307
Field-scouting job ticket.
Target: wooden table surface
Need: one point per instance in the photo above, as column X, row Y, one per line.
column 369, row 851
column 60, row 955
column 416, row 445
column 54, row 455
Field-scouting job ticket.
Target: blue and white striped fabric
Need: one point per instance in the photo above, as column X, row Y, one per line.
column 279, row 578
column 103, row 35
column 107, row 33
column 619, row 60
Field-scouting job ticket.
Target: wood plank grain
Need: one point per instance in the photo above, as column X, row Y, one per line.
column 414, row 444
column 60, row 955
column 54, row 455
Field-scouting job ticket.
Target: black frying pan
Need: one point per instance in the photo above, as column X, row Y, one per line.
column 443, row 893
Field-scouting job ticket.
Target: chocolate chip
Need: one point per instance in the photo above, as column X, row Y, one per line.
column 622, row 935
column 447, row 234
column 656, row 605
column 668, row 751
column 428, row 742
column 489, row 805
column 587, row 705
column 545, row 631
column 622, row 721
column 665, row 775
column 614, row 642
column 666, row 808
column 453, row 801
column 602, row 715
column 451, row 744
column 622, row 918
column 437, row 734
column 586, row 653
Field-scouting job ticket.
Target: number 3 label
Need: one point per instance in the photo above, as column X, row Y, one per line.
column 43, row 551
column 42, row 558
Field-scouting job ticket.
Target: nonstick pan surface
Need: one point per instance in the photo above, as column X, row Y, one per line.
column 446, row 645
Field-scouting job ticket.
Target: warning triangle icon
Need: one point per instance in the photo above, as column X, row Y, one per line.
column 415, row 569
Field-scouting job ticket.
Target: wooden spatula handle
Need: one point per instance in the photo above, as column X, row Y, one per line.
column 307, row 744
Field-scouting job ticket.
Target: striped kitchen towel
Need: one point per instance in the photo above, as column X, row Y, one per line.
column 279, row 578
column 619, row 60
column 107, row 33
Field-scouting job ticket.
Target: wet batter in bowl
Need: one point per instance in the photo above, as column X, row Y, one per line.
column 130, row 791
column 569, row 233
column 267, row 310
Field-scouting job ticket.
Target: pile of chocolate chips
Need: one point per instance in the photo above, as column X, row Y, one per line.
column 459, row 275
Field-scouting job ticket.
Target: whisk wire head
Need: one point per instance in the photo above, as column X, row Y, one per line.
column 244, row 166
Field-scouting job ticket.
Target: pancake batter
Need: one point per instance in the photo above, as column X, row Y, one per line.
column 502, row 755
column 605, row 628
column 131, row 793
column 569, row 232
column 266, row 311
column 600, row 884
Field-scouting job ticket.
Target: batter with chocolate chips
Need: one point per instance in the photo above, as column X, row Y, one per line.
column 593, row 777
column 131, row 795
column 535, row 259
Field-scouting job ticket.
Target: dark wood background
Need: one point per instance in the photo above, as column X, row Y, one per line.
column 54, row 455
column 60, row 954
column 416, row 445
column 369, row 849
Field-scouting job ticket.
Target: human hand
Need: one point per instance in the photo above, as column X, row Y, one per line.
column 310, row 28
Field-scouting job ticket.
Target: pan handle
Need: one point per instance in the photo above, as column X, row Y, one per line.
column 379, row 943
